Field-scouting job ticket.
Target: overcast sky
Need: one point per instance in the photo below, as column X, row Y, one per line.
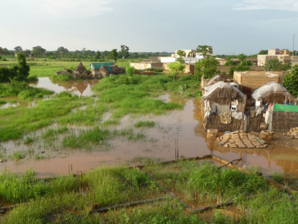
column 230, row 26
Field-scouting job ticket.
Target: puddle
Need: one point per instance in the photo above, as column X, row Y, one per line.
column 77, row 87
column 183, row 126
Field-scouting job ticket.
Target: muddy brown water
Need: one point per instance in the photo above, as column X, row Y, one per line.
column 183, row 126
column 77, row 87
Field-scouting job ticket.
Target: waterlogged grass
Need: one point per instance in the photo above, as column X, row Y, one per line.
column 147, row 124
column 69, row 199
column 126, row 95
column 17, row 121
column 85, row 139
column 199, row 182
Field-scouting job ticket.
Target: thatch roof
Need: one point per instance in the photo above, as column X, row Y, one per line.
column 216, row 79
column 81, row 68
column 273, row 92
column 222, row 93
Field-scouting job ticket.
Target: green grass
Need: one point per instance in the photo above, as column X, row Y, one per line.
column 147, row 124
column 68, row 199
column 3, row 102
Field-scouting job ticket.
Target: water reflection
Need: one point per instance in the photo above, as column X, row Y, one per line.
column 77, row 87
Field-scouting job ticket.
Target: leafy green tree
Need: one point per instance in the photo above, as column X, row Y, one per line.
column 23, row 68
column 18, row 49
column 205, row 50
column 263, row 52
column 229, row 63
column 38, row 51
column 206, row 67
column 180, row 60
column 62, row 52
column 124, row 51
column 241, row 57
column 98, row 55
column 181, row 53
column 290, row 81
column 176, row 68
column 114, row 55
column 130, row 71
column 276, row 65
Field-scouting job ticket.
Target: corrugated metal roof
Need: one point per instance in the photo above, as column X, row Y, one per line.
column 98, row 65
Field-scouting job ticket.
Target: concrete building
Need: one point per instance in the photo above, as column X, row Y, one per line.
column 283, row 56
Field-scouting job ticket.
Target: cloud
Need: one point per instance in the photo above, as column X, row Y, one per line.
column 285, row 5
column 67, row 8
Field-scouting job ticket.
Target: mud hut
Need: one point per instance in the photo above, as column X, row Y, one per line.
column 224, row 107
column 81, row 68
column 272, row 92
column 216, row 79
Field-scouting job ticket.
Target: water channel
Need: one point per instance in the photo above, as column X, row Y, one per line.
column 182, row 126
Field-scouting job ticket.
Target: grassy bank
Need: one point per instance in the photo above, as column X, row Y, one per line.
column 70, row 199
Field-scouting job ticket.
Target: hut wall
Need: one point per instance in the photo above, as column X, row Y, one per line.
column 213, row 122
column 283, row 121
column 253, row 123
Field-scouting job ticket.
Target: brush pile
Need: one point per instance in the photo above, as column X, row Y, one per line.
column 293, row 133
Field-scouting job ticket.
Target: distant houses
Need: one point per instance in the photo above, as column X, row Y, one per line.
column 283, row 56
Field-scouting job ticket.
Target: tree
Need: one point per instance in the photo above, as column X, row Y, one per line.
column 181, row 53
column 176, row 68
column 23, row 68
column 205, row 50
column 114, row 55
column 130, row 71
column 38, row 51
column 263, row 52
column 61, row 51
column 98, row 55
column 206, row 67
column 241, row 57
column 18, row 49
column 124, row 51
column 229, row 63
column 290, row 81
column 276, row 65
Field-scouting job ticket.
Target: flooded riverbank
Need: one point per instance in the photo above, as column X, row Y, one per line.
column 180, row 126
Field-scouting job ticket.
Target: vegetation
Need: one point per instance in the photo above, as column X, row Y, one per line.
column 276, row 65
column 207, row 66
column 176, row 69
column 290, row 81
column 148, row 124
column 69, row 199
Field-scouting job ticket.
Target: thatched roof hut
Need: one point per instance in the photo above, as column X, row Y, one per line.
column 216, row 79
column 81, row 68
column 273, row 92
column 222, row 93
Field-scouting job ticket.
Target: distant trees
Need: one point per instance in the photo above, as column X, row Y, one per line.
column 263, row 52
column 124, row 51
column 276, row 65
column 290, row 81
column 98, row 55
column 38, row 51
column 62, row 52
column 114, row 55
column 207, row 66
column 241, row 57
column 18, row 49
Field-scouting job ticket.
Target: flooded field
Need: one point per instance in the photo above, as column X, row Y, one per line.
column 179, row 129
column 80, row 87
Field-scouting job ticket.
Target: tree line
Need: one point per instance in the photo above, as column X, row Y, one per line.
column 64, row 53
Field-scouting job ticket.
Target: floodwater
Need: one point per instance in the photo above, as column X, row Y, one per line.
column 77, row 87
column 179, row 130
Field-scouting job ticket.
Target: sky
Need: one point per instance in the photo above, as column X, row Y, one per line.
column 230, row 26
